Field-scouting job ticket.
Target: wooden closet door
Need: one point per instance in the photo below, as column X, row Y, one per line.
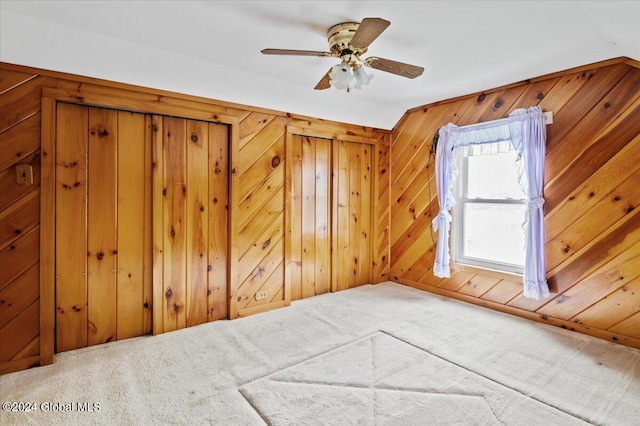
column 190, row 215
column 103, row 236
column 310, row 217
column 353, row 212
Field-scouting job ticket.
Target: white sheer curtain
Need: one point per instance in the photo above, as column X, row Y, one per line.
column 525, row 129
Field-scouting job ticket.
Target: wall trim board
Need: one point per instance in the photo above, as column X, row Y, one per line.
column 50, row 99
column 545, row 319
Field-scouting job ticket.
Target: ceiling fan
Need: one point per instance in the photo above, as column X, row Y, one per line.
column 349, row 41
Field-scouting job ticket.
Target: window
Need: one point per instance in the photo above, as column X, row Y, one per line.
column 524, row 131
column 487, row 219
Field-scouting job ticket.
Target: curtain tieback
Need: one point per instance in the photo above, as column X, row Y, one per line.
column 442, row 217
column 537, row 202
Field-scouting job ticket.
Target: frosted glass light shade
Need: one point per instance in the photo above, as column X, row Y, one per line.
column 361, row 77
column 340, row 76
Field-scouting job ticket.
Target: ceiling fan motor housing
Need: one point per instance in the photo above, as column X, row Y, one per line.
column 339, row 37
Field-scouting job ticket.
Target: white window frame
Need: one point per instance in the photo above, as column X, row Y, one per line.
column 457, row 230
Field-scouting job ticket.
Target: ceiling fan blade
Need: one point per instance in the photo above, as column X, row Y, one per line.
column 398, row 68
column 325, row 82
column 369, row 30
column 291, row 52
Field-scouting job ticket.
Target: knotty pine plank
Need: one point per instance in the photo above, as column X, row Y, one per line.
column 252, row 124
column 247, row 234
column 590, row 160
column 159, row 225
column 343, row 209
column 218, row 238
column 22, row 102
column 355, row 219
column 606, row 279
column 579, row 232
column 175, row 172
column 11, row 79
column 11, row 191
column 533, row 94
column 19, row 294
column 366, row 208
column 615, row 102
column 618, row 238
column 598, row 84
column 594, row 189
column 628, row 327
column 197, row 226
column 19, row 218
column 131, row 172
column 20, row 141
column 19, row 332
column 147, row 259
column 503, row 292
column 409, row 150
column 294, row 218
column 257, row 278
column 308, row 216
column 252, row 204
column 259, row 249
column 322, row 249
column 260, row 143
column 502, row 103
column 71, row 227
column 262, row 168
column 613, row 308
column 102, row 242
column 479, row 285
column 274, row 288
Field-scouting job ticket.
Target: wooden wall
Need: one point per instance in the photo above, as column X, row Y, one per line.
column 257, row 201
column 592, row 191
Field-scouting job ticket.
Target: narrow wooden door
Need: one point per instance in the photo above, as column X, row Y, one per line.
column 310, row 217
column 190, row 215
column 103, row 220
column 353, row 213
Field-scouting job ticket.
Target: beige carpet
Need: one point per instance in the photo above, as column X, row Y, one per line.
column 374, row 355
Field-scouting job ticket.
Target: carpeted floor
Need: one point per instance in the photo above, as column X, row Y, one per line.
column 374, row 355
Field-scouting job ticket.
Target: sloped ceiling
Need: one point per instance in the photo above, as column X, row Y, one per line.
column 212, row 48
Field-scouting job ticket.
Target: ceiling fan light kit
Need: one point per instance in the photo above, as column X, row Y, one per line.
column 348, row 41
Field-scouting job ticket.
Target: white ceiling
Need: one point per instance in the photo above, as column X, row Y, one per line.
column 212, row 48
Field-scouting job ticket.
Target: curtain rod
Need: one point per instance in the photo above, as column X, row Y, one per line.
column 548, row 115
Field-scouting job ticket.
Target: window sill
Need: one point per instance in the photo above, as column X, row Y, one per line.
column 509, row 276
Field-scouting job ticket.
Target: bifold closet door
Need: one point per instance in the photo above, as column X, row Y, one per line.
column 353, row 213
column 103, row 226
column 310, row 211
column 190, row 215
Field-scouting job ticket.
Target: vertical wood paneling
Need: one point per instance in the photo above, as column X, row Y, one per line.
column 101, row 220
column 71, row 227
column 133, row 166
column 218, row 228
column 322, row 216
column 590, row 207
column 342, row 221
column 308, row 216
column 191, row 251
column 295, row 217
column 197, row 221
column 175, row 190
